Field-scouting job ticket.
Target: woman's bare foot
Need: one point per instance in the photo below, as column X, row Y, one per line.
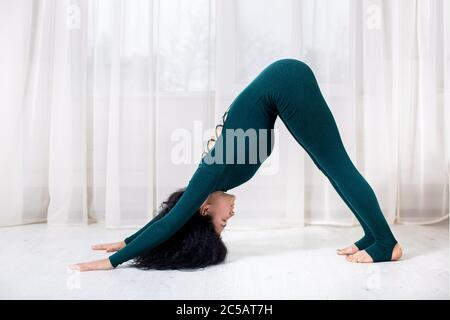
column 109, row 247
column 103, row 264
column 348, row 250
column 363, row 257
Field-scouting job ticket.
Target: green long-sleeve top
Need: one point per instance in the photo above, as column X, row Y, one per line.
column 287, row 89
column 256, row 107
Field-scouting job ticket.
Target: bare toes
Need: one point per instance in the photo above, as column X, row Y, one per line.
column 348, row 250
column 364, row 257
column 343, row 251
column 354, row 257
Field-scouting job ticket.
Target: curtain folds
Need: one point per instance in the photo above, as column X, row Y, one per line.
column 107, row 105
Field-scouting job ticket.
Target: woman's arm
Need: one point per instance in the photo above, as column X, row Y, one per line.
column 134, row 235
column 109, row 247
column 199, row 187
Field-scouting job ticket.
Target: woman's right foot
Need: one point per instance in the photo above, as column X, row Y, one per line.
column 347, row 250
column 366, row 241
column 363, row 256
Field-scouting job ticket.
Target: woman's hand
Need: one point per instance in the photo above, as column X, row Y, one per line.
column 109, row 247
column 103, row 264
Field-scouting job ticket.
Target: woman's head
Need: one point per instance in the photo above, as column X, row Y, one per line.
column 196, row 244
column 220, row 207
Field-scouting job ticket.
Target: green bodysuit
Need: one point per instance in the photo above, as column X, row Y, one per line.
column 288, row 89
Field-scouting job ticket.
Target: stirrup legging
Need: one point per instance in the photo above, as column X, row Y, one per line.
column 287, row 89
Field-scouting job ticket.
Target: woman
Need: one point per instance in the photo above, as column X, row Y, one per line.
column 287, row 89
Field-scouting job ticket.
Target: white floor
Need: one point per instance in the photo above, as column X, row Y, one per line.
column 265, row 264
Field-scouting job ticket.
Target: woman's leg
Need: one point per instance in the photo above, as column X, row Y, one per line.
column 303, row 110
column 368, row 238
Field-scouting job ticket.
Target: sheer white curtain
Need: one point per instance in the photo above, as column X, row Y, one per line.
column 107, row 105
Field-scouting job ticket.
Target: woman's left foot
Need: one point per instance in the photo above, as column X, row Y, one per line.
column 347, row 250
column 363, row 257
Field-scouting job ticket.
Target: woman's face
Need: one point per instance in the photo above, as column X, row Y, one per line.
column 220, row 206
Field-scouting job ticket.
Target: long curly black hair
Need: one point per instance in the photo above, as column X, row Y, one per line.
column 195, row 245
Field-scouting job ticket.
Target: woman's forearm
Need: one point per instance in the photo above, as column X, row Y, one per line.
column 137, row 233
column 157, row 231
